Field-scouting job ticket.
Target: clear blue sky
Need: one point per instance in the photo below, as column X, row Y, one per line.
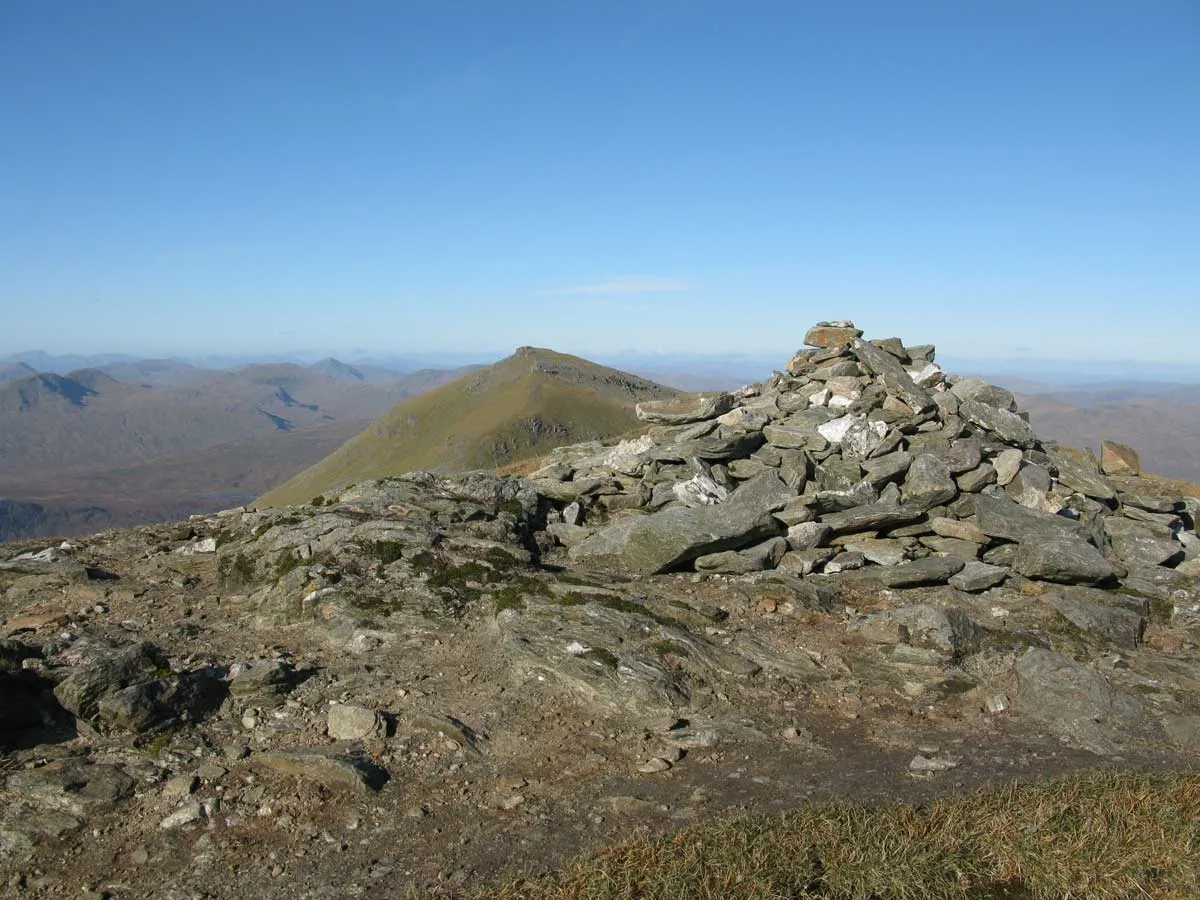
column 1001, row 178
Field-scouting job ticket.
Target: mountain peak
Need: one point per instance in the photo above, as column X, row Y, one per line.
column 338, row 370
column 514, row 409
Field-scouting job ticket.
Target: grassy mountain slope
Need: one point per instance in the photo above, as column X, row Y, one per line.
column 520, row 407
column 12, row 371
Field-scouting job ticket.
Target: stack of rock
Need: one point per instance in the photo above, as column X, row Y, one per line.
column 864, row 454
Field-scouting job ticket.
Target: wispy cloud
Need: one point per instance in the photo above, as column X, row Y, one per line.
column 615, row 286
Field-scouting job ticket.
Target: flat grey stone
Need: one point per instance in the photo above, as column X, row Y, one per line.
column 347, row 722
column 982, row 392
column 887, row 468
column 948, row 546
column 685, row 410
column 1081, row 477
column 1110, row 624
column 918, row 572
column 1008, row 426
column 956, row 528
column 806, row 535
column 805, row 562
column 977, row 479
column 964, row 455
column 1062, row 558
column 872, row 516
column 978, row 576
column 330, row 769
column 1137, row 545
column 882, row 552
column 1002, row 518
column 668, row 539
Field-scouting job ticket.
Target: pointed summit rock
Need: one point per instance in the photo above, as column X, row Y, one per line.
column 832, row 335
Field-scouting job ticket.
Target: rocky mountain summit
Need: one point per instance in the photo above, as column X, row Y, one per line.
column 861, row 578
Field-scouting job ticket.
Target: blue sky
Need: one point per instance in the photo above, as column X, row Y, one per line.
column 1001, row 178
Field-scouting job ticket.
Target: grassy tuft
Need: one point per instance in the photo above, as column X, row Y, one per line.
column 1102, row 836
column 236, row 571
column 384, row 552
column 287, row 562
column 513, row 594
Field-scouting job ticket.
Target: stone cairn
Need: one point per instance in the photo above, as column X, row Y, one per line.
column 865, row 455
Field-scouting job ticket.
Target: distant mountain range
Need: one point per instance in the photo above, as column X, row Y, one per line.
column 138, row 440
column 1160, row 421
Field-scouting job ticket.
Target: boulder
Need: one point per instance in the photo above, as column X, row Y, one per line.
column 977, row 479
column 1077, row 703
column 806, row 535
column 967, row 551
column 106, row 671
column 1007, row 463
column 829, row 335
column 887, row 468
column 964, row 455
column 789, row 435
column 946, row 631
column 980, row 391
column 1082, row 477
column 882, row 552
column 348, row 722
column 700, row 490
column 1007, row 426
column 928, row 482
column 1137, row 545
column 1110, row 624
column 805, row 562
column 151, row 706
column 262, row 678
column 955, row 528
column 668, row 539
column 1062, row 558
column 1118, row 459
column 685, row 410
column 759, row 558
column 978, row 576
column 918, row 572
column 1002, row 518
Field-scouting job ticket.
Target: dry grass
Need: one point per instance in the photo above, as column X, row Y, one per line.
column 1175, row 485
column 523, row 467
column 1102, row 836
